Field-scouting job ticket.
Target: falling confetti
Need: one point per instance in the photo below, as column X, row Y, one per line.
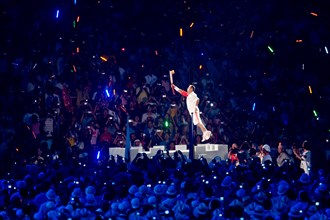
column 252, row 33
column 270, row 49
column 103, row 58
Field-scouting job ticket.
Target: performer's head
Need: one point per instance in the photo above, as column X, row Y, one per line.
column 191, row 88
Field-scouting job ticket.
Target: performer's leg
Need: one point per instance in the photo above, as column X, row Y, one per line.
column 202, row 127
column 197, row 121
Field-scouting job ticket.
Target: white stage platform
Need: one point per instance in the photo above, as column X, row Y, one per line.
column 208, row 151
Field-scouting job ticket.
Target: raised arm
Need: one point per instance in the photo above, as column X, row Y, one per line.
column 182, row 92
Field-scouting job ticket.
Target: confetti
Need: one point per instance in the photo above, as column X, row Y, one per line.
column 191, row 25
column 78, row 19
column 326, row 49
column 252, row 33
column 315, row 113
column 77, row 50
column 270, row 49
column 34, row 135
column 314, row 14
column 254, row 106
column 74, row 24
column 181, row 32
column 103, row 58
column 57, row 13
column 200, row 67
column 299, row 41
column 310, row 89
column 74, row 68
column 156, row 52
column 123, row 108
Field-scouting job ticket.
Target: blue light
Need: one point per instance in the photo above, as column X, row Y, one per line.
column 75, row 2
column 107, row 92
column 57, row 13
column 98, row 155
column 254, row 106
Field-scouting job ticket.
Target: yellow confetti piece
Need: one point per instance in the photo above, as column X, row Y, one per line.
column 103, row 58
column 310, row 89
column 191, row 25
column 181, row 32
column 200, row 67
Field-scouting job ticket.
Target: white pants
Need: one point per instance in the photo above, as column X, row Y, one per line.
column 196, row 116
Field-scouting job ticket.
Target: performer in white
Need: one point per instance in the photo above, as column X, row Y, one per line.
column 192, row 105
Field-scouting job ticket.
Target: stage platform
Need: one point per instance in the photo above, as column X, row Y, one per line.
column 208, row 151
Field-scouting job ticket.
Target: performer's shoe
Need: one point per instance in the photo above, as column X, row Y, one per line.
column 206, row 135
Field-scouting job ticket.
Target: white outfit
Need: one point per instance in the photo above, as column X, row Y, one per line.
column 192, row 107
column 305, row 163
column 191, row 102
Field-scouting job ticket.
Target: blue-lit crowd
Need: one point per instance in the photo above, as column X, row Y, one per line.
column 58, row 164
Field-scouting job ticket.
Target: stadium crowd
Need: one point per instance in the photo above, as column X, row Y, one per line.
column 66, row 100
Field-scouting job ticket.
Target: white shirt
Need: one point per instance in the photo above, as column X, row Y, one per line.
column 305, row 163
column 191, row 102
column 265, row 158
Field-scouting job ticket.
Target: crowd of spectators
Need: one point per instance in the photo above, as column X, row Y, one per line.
column 165, row 187
column 66, row 100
